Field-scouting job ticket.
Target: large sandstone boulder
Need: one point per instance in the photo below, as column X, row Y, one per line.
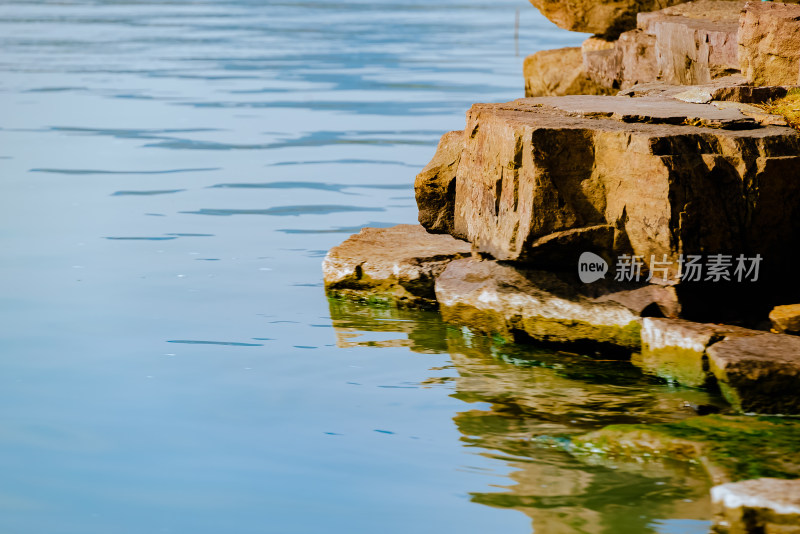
column 769, row 43
column 604, row 17
column 396, row 265
column 652, row 177
column 559, row 72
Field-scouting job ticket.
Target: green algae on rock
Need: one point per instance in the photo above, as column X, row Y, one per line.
column 496, row 298
column 391, row 266
column 731, row 448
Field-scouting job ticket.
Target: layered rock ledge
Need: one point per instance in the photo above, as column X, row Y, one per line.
column 540, row 179
column 690, row 43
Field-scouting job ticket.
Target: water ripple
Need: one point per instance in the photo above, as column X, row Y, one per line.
column 226, row 343
column 284, row 210
column 94, row 171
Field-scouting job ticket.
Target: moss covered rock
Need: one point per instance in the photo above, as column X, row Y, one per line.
column 731, row 448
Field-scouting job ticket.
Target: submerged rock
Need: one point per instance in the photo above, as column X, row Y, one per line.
column 651, row 177
column 756, row 506
column 394, row 265
column 675, row 349
column 769, row 43
column 495, row 298
column 730, row 448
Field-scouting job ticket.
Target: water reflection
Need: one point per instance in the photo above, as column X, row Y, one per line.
column 521, row 401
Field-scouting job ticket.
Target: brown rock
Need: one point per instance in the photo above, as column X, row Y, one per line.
column 769, row 43
column 394, row 265
column 435, row 186
column 495, row 298
column 605, row 17
column 557, row 73
column 632, row 60
column 786, row 319
column 534, row 168
column 758, row 374
column 694, row 42
column 674, row 349
column 769, row 505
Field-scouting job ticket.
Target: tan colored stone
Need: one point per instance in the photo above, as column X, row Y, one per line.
column 769, row 43
column 732, row 88
column 603, row 17
column 537, row 167
column 394, row 265
column 785, row 319
column 695, row 42
column 768, row 505
column 758, row 374
column 495, row 298
column 632, row 60
column 559, row 72
column 435, row 186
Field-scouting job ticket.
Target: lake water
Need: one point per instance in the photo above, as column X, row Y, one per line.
column 172, row 175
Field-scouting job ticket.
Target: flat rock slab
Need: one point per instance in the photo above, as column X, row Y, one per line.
column 756, row 506
column 651, row 177
column 758, row 374
column 649, row 110
column 734, row 88
column 495, row 298
column 394, row 265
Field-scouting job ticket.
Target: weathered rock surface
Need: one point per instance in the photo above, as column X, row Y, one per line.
column 755, row 506
column 646, row 176
column 769, row 43
column 495, row 298
column 675, row 349
column 689, row 43
column 559, row 72
column 394, row 265
column 733, row 88
column 435, row 186
column 785, row 319
column 606, row 17
column 758, row 374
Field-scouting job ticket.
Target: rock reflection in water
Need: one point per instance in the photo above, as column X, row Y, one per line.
column 535, row 397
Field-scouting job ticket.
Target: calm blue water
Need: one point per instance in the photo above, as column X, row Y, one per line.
column 171, row 176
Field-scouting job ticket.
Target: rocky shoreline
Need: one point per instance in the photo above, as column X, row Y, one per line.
column 660, row 225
